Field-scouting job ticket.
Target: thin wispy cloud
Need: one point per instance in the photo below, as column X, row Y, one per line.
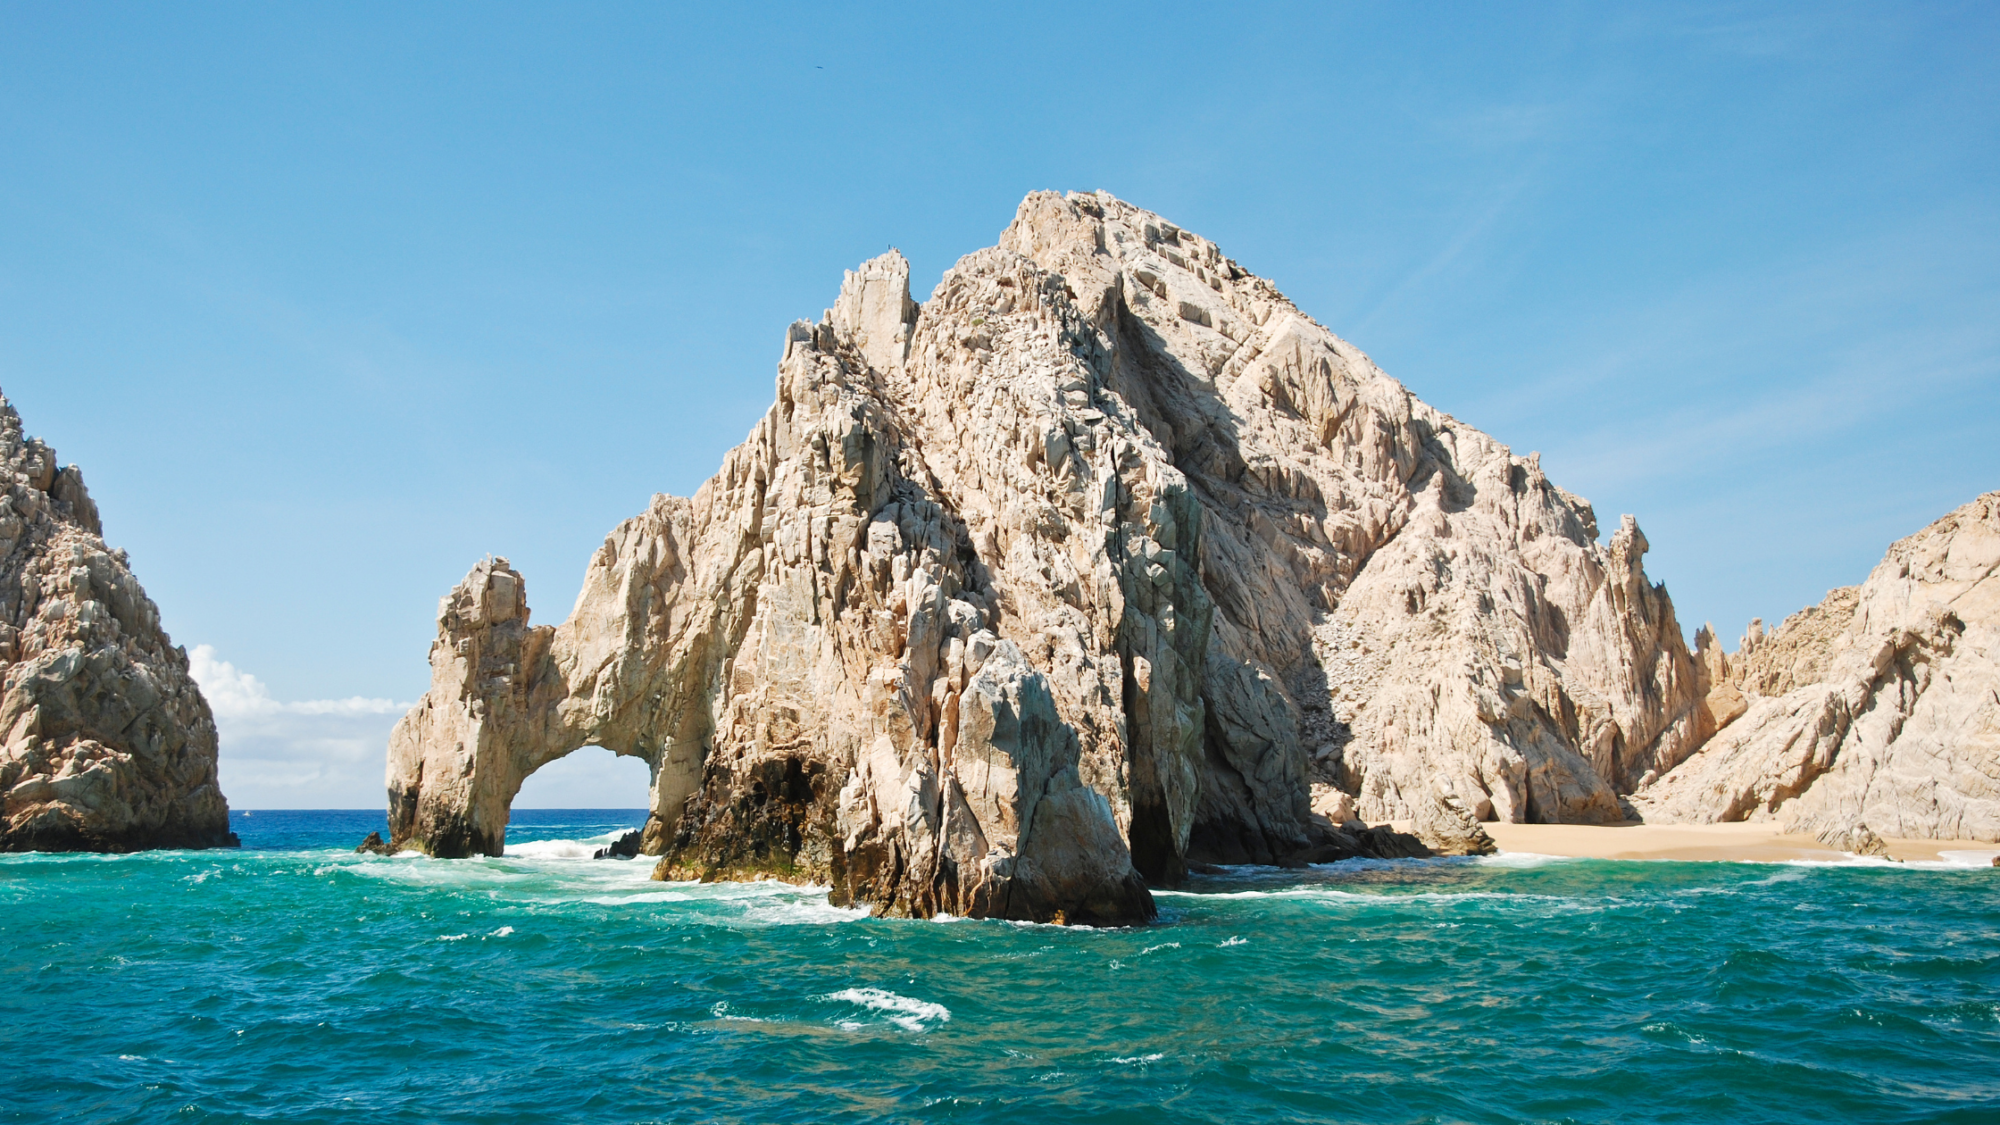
column 1470, row 230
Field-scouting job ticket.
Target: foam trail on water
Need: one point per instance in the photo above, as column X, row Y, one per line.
column 905, row 1012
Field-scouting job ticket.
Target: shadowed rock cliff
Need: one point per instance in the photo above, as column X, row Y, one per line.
column 105, row 742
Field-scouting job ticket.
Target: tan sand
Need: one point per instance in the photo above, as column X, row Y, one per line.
column 1698, row 841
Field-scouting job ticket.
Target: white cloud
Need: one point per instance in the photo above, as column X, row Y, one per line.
column 239, row 696
column 332, row 753
column 305, row 754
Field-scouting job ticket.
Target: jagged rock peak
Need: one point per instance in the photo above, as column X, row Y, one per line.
column 106, row 744
column 1093, row 565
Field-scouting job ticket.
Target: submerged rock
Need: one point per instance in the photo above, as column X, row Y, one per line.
column 624, row 847
column 106, row 744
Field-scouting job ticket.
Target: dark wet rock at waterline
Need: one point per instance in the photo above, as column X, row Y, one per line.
column 624, row 847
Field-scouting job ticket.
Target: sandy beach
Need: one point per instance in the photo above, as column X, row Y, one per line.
column 1707, row 841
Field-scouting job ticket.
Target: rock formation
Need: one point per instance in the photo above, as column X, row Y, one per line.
column 1104, row 560
column 105, row 742
column 1876, row 711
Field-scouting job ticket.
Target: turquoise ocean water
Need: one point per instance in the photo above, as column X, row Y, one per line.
column 297, row 981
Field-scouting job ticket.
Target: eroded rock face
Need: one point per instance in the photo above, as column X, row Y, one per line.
column 106, row 744
column 1880, row 706
column 1413, row 606
column 1094, row 564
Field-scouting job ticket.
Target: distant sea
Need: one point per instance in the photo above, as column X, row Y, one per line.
column 297, row 981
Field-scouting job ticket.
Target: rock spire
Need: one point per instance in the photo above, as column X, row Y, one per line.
column 106, row 744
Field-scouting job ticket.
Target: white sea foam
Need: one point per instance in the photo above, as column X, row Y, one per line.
column 720, row 1010
column 453, row 937
column 1333, row 897
column 905, row 1012
column 501, row 932
column 1521, row 859
column 632, row 900
column 1234, row 941
column 1155, row 1057
column 804, row 912
column 1162, row 945
column 772, row 903
column 1970, row 857
column 554, row 849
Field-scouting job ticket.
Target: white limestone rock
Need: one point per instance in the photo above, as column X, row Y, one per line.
column 1415, row 608
column 106, row 744
column 1881, row 705
column 1220, row 556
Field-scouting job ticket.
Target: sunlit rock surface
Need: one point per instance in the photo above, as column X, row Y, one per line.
column 1104, row 560
column 1876, row 711
column 105, row 741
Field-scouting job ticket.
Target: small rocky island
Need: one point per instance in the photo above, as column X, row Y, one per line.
column 1107, row 561
column 106, row 744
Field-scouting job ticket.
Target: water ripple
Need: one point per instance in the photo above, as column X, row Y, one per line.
column 302, row 982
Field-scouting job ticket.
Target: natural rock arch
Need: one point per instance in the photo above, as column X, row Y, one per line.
column 490, row 720
column 1106, row 559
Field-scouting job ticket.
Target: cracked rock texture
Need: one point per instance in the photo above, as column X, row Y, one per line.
column 106, row 744
column 1877, row 710
column 1103, row 560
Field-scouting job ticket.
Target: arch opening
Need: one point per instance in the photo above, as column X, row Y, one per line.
column 588, row 778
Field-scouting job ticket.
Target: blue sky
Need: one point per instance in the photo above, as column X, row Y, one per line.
column 330, row 301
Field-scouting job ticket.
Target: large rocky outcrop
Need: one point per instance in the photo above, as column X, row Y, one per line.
column 1878, row 709
column 105, row 742
column 1095, row 563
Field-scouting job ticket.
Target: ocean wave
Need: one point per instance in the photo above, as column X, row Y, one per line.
column 641, row 897
column 1521, row 859
column 556, row 849
column 804, row 912
column 905, row 1012
column 1312, row 893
